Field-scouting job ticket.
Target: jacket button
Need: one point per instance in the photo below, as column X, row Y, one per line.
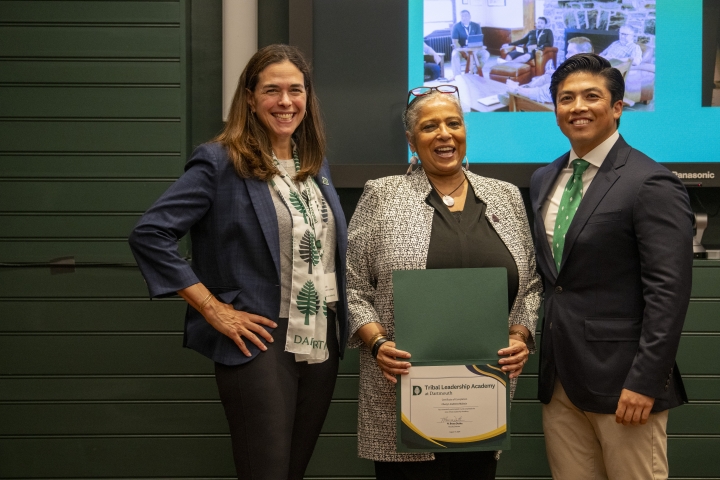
column 550, row 325
column 667, row 387
column 558, row 290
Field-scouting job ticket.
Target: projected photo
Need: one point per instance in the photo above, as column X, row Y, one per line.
column 501, row 55
column 711, row 54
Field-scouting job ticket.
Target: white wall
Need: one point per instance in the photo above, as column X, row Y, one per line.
column 239, row 43
column 509, row 16
column 437, row 15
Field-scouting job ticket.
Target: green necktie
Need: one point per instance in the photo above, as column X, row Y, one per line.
column 568, row 206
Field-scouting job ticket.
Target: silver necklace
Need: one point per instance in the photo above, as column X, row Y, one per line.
column 447, row 199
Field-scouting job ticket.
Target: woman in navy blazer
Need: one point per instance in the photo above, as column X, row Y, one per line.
column 245, row 259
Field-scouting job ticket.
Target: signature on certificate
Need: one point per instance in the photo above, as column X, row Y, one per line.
column 452, row 420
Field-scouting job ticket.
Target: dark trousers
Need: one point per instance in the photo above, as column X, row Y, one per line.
column 514, row 54
column 446, row 466
column 276, row 407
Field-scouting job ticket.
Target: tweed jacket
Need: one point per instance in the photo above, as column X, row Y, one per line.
column 390, row 230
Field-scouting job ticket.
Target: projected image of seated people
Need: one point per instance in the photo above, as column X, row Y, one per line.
column 538, row 89
column 502, row 54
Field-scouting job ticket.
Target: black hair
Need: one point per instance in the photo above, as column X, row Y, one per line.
column 543, row 19
column 594, row 64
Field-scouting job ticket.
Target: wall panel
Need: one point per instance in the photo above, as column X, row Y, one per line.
column 89, row 41
column 84, row 101
column 109, row 165
column 93, row 127
column 103, row 71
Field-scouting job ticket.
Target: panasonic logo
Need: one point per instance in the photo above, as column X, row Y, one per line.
column 695, row 175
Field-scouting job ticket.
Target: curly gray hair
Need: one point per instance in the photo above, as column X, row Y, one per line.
column 412, row 112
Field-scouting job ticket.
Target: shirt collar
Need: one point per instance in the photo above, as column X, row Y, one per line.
column 597, row 155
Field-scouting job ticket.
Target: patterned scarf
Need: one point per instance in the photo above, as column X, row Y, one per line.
column 307, row 325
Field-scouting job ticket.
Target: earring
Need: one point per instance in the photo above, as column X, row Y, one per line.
column 466, row 163
column 414, row 160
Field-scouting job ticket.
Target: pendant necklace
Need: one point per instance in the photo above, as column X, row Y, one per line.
column 447, row 199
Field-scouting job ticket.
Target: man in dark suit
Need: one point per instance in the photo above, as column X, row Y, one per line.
column 536, row 39
column 613, row 233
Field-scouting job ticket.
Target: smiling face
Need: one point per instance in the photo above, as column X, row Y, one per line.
column 585, row 112
column 439, row 137
column 465, row 18
column 279, row 101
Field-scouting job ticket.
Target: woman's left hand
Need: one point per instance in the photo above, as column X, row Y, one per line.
column 516, row 356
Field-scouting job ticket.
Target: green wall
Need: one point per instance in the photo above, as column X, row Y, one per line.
column 100, row 104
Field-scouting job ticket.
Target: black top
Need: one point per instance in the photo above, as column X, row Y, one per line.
column 467, row 240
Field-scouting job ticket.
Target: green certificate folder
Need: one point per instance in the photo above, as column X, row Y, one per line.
column 452, row 318
column 457, row 315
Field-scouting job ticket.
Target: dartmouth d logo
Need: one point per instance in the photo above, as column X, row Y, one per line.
column 417, row 390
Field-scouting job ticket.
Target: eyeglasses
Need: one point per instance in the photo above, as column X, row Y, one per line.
column 422, row 91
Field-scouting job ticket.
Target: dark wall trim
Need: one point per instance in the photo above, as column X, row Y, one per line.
column 710, row 42
column 355, row 176
column 301, row 26
column 204, row 71
column 273, row 22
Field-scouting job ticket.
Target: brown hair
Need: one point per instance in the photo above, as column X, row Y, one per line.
column 246, row 139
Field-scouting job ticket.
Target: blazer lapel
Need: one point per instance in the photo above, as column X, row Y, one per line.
column 543, row 253
column 267, row 217
column 604, row 179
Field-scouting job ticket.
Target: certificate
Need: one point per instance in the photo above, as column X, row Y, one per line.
column 460, row 407
column 453, row 322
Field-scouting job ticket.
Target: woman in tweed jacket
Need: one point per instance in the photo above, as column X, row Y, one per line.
column 392, row 228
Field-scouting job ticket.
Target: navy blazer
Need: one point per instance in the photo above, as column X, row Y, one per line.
column 615, row 310
column 235, row 247
column 544, row 40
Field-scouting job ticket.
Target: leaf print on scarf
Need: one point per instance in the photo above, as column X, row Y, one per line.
column 308, row 250
column 298, row 204
column 308, row 301
column 323, row 210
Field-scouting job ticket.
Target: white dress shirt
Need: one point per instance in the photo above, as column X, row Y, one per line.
column 595, row 158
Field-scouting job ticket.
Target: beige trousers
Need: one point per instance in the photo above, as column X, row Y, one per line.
column 591, row 446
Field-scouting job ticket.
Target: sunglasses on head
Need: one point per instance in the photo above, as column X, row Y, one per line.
column 422, row 91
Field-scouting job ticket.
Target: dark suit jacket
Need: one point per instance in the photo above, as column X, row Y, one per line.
column 614, row 312
column 235, row 247
column 545, row 40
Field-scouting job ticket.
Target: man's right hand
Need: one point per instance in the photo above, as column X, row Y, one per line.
column 633, row 408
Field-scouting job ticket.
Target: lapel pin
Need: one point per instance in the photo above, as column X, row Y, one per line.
column 495, row 219
column 325, row 181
